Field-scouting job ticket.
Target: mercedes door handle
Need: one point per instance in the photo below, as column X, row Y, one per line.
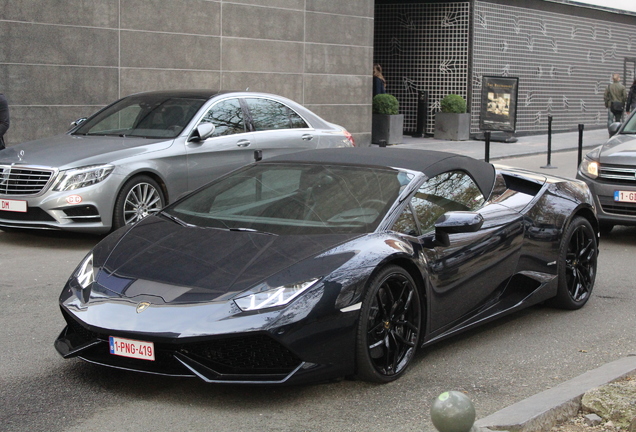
column 243, row 143
column 307, row 137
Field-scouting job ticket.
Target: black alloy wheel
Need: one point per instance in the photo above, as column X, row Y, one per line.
column 139, row 197
column 577, row 265
column 389, row 327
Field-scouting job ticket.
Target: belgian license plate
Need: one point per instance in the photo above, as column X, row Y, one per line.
column 625, row 196
column 13, row 205
column 132, row 348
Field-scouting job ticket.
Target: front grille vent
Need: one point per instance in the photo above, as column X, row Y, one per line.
column 23, row 180
column 618, row 174
column 622, row 208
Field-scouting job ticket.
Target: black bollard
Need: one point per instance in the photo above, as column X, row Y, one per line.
column 581, row 127
column 549, row 166
column 487, row 141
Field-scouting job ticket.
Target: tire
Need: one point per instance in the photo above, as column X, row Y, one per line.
column 389, row 327
column 139, row 197
column 577, row 265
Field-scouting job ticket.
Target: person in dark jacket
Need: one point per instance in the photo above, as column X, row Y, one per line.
column 631, row 99
column 615, row 97
column 379, row 83
column 4, row 119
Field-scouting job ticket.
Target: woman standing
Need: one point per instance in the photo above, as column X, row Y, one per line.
column 379, row 83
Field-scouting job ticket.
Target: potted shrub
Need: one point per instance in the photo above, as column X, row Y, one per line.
column 452, row 122
column 387, row 124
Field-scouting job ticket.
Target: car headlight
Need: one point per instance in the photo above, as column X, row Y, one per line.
column 589, row 168
column 85, row 273
column 81, row 177
column 272, row 297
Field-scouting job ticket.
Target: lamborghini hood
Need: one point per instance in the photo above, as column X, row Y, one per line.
column 189, row 265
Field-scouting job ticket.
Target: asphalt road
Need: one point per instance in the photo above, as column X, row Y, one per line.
column 496, row 365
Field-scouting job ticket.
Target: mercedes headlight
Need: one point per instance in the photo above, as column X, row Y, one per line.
column 589, row 168
column 81, row 177
column 85, row 273
column 274, row 296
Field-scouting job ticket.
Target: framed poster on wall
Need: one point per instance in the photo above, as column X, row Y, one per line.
column 498, row 111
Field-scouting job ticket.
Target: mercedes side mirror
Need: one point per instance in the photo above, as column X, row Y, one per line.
column 202, row 132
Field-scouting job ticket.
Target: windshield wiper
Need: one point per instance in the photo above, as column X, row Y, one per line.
column 250, row 230
column 177, row 220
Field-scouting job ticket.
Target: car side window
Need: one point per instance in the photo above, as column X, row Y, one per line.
column 227, row 118
column 449, row 191
column 406, row 223
column 268, row 114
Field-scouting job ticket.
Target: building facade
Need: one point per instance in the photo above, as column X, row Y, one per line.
column 65, row 59
column 562, row 53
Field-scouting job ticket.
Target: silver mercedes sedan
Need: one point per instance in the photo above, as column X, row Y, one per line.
column 146, row 150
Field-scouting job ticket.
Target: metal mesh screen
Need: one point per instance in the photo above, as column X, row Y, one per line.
column 423, row 47
column 564, row 63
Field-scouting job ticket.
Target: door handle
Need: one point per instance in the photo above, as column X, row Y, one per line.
column 243, row 143
column 307, row 137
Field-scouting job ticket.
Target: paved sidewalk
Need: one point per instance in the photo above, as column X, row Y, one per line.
column 525, row 145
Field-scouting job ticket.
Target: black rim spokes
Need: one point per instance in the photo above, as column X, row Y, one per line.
column 393, row 325
column 580, row 264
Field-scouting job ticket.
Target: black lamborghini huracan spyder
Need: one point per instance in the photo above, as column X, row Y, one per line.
column 329, row 263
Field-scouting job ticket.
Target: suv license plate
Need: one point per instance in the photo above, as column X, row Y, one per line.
column 132, row 348
column 625, row 196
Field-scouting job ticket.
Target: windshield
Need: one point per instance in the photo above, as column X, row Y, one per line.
column 630, row 126
column 295, row 199
column 147, row 116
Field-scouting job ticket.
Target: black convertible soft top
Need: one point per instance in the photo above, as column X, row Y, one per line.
column 428, row 162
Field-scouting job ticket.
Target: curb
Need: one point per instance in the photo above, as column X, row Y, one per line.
column 542, row 411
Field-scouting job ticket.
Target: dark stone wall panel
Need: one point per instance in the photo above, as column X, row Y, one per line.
column 288, row 85
column 337, row 89
column 171, row 51
column 339, row 29
column 138, row 80
column 338, row 59
column 91, row 13
column 259, row 22
column 360, row 8
column 61, row 45
column 201, row 17
column 34, row 122
column 58, row 85
column 284, row 4
column 249, row 55
column 355, row 118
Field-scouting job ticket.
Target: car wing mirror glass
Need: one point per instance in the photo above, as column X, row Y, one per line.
column 454, row 223
column 613, row 128
column 202, row 132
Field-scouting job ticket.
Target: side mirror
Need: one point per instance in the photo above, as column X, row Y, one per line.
column 202, row 132
column 454, row 223
column 78, row 122
column 613, row 128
